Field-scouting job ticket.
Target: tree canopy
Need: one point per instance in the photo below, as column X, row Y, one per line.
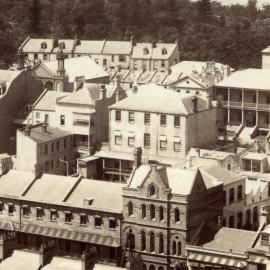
column 205, row 30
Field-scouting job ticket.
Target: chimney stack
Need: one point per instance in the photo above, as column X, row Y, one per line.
column 209, row 100
column 265, row 215
column 102, row 92
column 44, row 127
column 137, row 157
column 195, row 104
column 154, row 44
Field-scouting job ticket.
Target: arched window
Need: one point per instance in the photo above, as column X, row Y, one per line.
column 145, row 51
column 179, row 248
column 152, row 211
column 161, row 268
column 131, row 240
column 161, row 213
column 152, row 190
column 174, row 248
column 130, row 209
column 164, row 51
column 176, row 215
column 48, row 85
column 152, row 267
column 144, row 267
column 143, row 211
column 143, row 241
column 161, row 244
column 152, row 242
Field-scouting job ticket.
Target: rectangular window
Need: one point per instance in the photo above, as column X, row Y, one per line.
column 239, row 220
column 65, row 143
column 57, row 145
column 122, row 58
column 10, row 209
column 68, row 217
column 112, row 58
column 112, row 223
column 104, row 62
column 52, row 147
column 62, row 120
column 231, row 195
column 162, row 142
column 25, row 211
column 147, row 140
column 1, row 207
column 118, row 140
column 147, row 118
column 117, row 115
column 131, row 139
column 98, row 221
column 163, row 120
column 35, row 56
column 45, row 149
column 177, row 144
column 45, row 56
column 177, row 121
column 83, row 219
column 53, row 215
column 40, row 213
column 131, row 118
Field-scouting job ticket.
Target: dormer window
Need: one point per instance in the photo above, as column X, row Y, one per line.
column 145, row 51
column 62, row 45
column 43, row 45
column 164, row 51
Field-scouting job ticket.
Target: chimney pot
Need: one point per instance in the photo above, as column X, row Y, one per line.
column 44, row 127
column 137, row 157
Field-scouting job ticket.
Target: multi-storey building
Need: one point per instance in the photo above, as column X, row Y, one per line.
column 18, row 92
column 165, row 208
column 245, row 98
column 108, row 54
column 45, row 148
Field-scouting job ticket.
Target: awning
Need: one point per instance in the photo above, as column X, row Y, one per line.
column 70, row 235
column 163, row 138
column 203, row 258
column 177, row 139
column 117, row 133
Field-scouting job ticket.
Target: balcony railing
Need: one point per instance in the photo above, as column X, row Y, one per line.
column 117, row 170
column 239, row 104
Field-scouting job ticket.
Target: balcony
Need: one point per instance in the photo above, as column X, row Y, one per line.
column 117, row 171
column 247, row 105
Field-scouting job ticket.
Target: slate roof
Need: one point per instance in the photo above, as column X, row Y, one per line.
column 153, row 98
column 52, row 133
column 117, row 47
column 47, row 100
column 96, row 190
column 225, row 239
column 90, row 46
column 34, row 45
column 248, row 79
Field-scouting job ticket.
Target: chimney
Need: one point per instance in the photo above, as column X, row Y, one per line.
column 209, row 100
column 117, row 80
column 135, row 89
column 195, row 103
column 137, row 153
column 119, row 68
column 265, row 215
column 44, row 127
column 102, row 92
column 132, row 40
column 117, row 95
column 228, row 70
column 61, row 62
column 27, row 129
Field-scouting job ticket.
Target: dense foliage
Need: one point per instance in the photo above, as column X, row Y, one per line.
column 230, row 34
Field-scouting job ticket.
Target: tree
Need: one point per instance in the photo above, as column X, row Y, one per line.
column 204, row 10
column 252, row 9
column 34, row 18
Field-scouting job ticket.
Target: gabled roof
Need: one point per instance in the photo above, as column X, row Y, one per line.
column 153, row 98
column 248, row 79
column 220, row 174
column 180, row 181
column 90, row 46
column 117, row 47
column 225, row 240
column 168, row 47
column 82, row 66
column 138, row 51
column 85, row 96
column 34, row 45
column 8, row 75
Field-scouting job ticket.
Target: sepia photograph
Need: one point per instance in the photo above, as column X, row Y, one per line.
column 134, row 134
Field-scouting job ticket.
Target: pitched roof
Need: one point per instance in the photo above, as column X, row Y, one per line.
column 219, row 173
column 34, row 45
column 97, row 190
column 14, row 183
column 52, row 133
column 224, row 240
column 50, row 188
column 248, row 79
column 117, row 47
column 168, row 47
column 47, row 100
column 138, row 51
column 69, row 43
column 82, row 66
column 180, row 180
column 90, row 46
column 85, row 96
column 153, row 98
column 8, row 75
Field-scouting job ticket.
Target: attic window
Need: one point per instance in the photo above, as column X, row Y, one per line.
column 43, row 45
column 145, row 51
column 164, row 51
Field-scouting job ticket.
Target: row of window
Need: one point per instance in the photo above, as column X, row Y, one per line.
column 40, row 214
column 53, row 146
column 163, row 143
column 176, row 247
column 232, row 195
column 147, row 118
column 152, row 212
